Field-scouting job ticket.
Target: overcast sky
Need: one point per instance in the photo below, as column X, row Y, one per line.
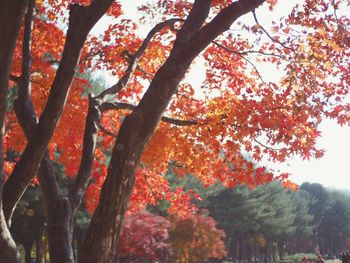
column 333, row 169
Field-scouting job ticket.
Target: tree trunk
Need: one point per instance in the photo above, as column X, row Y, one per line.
column 28, row 253
column 11, row 13
column 8, row 251
column 139, row 126
column 60, row 232
column 38, row 246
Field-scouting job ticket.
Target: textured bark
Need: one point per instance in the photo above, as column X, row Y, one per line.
column 139, row 126
column 58, row 231
column 78, row 189
column 11, row 13
column 81, row 20
column 28, row 254
column 8, row 252
column 57, row 206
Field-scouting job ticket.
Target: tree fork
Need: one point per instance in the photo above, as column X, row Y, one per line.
column 139, row 126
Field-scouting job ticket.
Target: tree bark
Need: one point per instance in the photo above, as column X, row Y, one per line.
column 139, row 126
column 28, row 253
column 57, row 206
column 81, row 20
column 11, row 13
column 39, row 250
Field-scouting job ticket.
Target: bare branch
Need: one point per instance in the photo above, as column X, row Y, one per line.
column 25, row 113
column 127, row 106
column 77, row 190
column 11, row 14
column 178, row 122
column 266, row 146
column 109, row 133
column 15, row 78
column 144, row 72
column 252, row 52
column 267, row 33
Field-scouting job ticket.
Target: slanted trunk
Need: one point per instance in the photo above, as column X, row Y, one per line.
column 138, row 127
column 11, row 13
column 8, row 251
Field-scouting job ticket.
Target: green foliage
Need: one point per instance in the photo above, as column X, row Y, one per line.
column 269, row 210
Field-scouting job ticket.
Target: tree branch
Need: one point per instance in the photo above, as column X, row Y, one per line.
column 81, row 20
column 134, row 60
column 250, row 52
column 136, row 131
column 222, row 21
column 242, row 56
column 105, row 131
column 11, row 14
column 94, row 115
column 127, row 106
column 195, row 20
column 15, row 78
column 267, row 33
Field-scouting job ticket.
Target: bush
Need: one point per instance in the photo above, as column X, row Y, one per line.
column 296, row 258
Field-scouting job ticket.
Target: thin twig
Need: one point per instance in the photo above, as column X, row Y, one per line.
column 268, row 34
column 242, row 56
column 104, row 130
column 134, row 58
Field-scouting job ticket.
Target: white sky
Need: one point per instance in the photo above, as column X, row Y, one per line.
column 333, row 169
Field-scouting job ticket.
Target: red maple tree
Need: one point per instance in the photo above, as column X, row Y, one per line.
column 145, row 237
column 119, row 142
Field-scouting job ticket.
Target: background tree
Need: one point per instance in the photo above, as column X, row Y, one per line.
column 206, row 134
column 261, row 223
column 331, row 211
column 304, row 224
column 196, row 239
column 144, row 237
column 318, row 207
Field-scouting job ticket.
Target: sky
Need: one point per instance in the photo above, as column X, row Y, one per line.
column 333, row 169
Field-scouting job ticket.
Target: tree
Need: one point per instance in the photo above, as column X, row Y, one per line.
column 28, row 221
column 331, row 216
column 301, row 240
column 320, row 203
column 204, row 135
column 335, row 228
column 196, row 239
column 144, row 237
column 254, row 218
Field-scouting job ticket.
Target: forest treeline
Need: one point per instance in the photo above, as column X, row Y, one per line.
column 269, row 223
column 264, row 224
